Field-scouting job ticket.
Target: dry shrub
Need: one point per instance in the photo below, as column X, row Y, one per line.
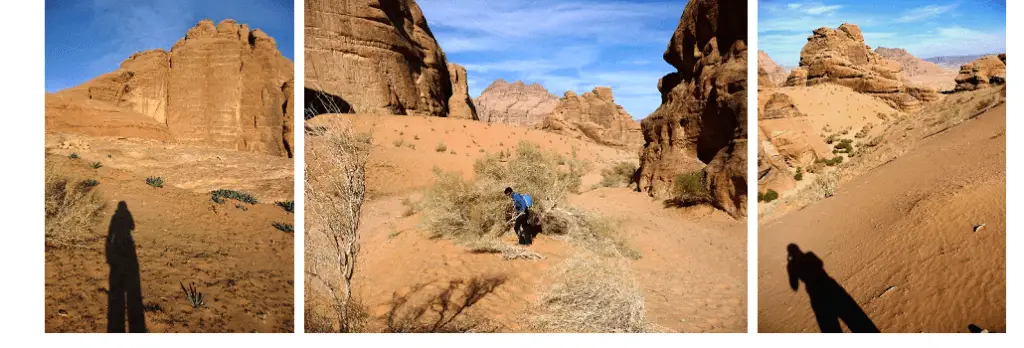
column 587, row 231
column 335, row 190
column 508, row 252
column 465, row 211
column 591, row 294
column 619, row 174
column 691, row 188
column 824, row 186
column 72, row 207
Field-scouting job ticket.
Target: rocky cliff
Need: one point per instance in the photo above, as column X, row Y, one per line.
column 515, row 103
column 840, row 56
column 594, row 116
column 702, row 120
column 984, row 72
column 221, row 85
column 379, row 57
column 776, row 74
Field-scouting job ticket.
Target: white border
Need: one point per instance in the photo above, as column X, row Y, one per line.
column 22, row 322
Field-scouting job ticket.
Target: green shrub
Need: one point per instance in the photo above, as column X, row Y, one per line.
column 73, row 155
column 284, row 227
column 844, row 146
column 155, row 181
column 89, row 183
column 288, row 206
column 768, row 196
column 219, row 195
column 95, row 165
column 690, row 190
column 799, row 174
column 194, row 297
column 619, row 174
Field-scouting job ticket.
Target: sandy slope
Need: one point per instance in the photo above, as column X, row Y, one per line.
column 898, row 238
column 239, row 261
column 404, row 271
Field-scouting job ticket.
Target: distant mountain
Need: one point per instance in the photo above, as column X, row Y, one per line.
column 954, row 62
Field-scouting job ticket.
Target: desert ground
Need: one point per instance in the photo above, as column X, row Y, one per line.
column 906, row 232
column 232, row 252
column 689, row 262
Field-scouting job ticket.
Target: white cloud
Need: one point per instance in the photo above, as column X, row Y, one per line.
column 925, row 12
column 793, row 6
column 817, row 10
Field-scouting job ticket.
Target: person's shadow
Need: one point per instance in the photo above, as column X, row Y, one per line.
column 124, row 275
column 829, row 300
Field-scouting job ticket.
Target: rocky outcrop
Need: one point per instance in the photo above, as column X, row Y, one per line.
column 911, row 65
column 982, row 73
column 702, row 120
column 377, row 56
column 772, row 171
column 797, row 77
column 515, row 103
column 460, row 105
column 221, row 85
column 594, row 116
column 775, row 74
column 779, row 106
column 840, row 56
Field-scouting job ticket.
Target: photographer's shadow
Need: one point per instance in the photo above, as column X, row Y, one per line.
column 830, row 302
column 125, row 293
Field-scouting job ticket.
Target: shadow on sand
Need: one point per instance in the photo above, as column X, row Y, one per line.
column 830, row 302
column 125, row 286
column 443, row 312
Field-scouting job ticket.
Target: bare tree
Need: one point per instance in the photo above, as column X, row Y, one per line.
column 335, row 190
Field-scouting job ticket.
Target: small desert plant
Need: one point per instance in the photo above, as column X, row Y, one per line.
column 398, row 143
column 844, row 146
column 73, row 155
column 690, row 189
column 194, row 297
column 875, row 141
column 284, row 227
column 155, row 181
column 591, row 294
column 619, row 174
column 441, row 147
column 799, row 174
column 71, row 208
column 767, row 196
column 288, row 206
column 864, row 131
column 95, row 165
column 830, row 139
column 415, row 137
column 410, row 207
column 219, row 195
column 411, row 146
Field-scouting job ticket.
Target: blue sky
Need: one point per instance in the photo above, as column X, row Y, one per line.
column 564, row 45
column 88, row 38
column 924, row 28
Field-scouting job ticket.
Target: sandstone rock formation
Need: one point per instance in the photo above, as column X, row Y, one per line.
column 982, row 73
column 377, row 57
column 460, row 105
column 221, row 85
column 515, row 103
column 772, row 171
column 595, row 116
column 702, row 121
column 776, row 74
column 779, row 106
column 840, row 56
column 789, row 132
column 911, row 65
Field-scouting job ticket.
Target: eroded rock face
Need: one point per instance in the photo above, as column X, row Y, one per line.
column 779, row 106
column 379, row 56
column 221, row 85
column 460, row 105
column 515, row 103
column 840, row 56
column 788, row 132
column 911, row 65
column 984, row 72
column 702, row 121
column 595, row 116
column 775, row 74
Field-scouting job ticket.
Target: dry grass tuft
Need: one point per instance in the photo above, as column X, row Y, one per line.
column 591, row 294
column 72, row 208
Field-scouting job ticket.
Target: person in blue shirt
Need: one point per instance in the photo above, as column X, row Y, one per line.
column 522, row 207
